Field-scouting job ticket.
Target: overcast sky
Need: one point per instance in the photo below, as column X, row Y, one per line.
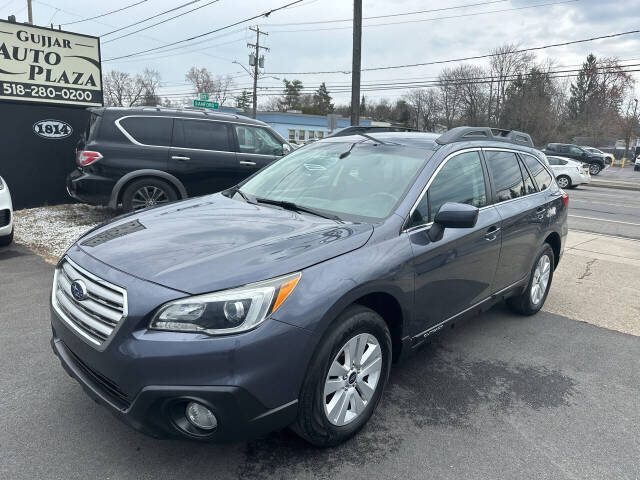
column 296, row 47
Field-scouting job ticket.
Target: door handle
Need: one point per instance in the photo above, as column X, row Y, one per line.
column 177, row 157
column 244, row 162
column 492, row 233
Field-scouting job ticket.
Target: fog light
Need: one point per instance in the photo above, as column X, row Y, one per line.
column 200, row 416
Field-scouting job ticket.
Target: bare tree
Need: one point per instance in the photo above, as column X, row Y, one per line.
column 449, row 96
column 121, row 89
column 204, row 82
column 150, row 81
column 504, row 66
column 424, row 107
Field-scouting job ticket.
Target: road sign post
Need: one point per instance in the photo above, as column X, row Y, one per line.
column 206, row 104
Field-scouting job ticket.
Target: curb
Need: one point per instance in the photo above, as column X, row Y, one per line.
column 614, row 185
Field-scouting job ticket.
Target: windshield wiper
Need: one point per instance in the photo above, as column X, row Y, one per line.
column 236, row 189
column 299, row 208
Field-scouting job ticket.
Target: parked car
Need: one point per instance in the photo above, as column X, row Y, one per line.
column 284, row 300
column 636, row 166
column 596, row 162
column 141, row 157
column 608, row 157
column 569, row 173
column 6, row 215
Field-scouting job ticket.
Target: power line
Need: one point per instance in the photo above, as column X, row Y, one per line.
column 151, row 17
column 386, row 16
column 105, row 14
column 264, row 14
column 432, row 84
column 429, row 19
column 462, row 59
column 160, row 22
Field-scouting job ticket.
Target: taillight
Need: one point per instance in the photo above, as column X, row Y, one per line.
column 565, row 199
column 87, row 157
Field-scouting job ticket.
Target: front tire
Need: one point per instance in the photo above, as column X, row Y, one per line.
column 532, row 299
column 595, row 168
column 6, row 240
column 563, row 181
column 345, row 378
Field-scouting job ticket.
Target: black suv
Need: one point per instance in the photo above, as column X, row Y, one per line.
column 596, row 162
column 142, row 156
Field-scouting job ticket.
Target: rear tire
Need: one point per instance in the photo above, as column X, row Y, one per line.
column 531, row 300
column 320, row 420
column 563, row 181
column 6, row 240
column 147, row 192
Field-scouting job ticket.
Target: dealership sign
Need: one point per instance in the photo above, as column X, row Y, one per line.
column 49, row 66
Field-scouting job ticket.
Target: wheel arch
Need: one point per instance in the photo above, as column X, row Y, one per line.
column 554, row 241
column 385, row 302
column 119, row 187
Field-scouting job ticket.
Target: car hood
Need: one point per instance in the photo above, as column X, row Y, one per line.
column 213, row 242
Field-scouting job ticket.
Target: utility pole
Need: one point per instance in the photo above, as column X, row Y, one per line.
column 256, row 62
column 30, row 12
column 355, row 68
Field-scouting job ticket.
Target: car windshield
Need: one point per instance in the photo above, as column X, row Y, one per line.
column 347, row 179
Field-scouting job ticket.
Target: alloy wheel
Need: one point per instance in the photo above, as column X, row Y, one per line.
column 352, row 379
column 563, row 182
column 594, row 169
column 540, row 279
column 148, row 196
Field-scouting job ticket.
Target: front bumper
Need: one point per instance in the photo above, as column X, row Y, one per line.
column 6, row 212
column 240, row 416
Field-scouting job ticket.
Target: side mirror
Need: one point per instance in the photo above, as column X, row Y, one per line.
column 285, row 148
column 453, row 215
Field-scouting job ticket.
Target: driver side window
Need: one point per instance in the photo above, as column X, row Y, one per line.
column 257, row 140
column 460, row 180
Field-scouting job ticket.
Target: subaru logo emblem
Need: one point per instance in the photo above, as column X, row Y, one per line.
column 79, row 290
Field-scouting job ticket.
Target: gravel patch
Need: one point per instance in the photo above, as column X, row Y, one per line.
column 49, row 231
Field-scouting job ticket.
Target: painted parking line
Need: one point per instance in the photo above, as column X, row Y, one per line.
column 605, row 220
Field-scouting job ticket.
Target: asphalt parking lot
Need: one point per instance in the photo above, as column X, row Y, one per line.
column 501, row 396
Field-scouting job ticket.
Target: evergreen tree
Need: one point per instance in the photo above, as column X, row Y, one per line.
column 291, row 95
column 322, row 100
column 244, row 100
column 585, row 87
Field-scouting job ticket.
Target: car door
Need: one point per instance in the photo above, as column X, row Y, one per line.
column 202, row 156
column 457, row 271
column 257, row 147
column 522, row 211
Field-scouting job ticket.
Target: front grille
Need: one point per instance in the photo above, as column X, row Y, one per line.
column 107, row 387
column 5, row 217
column 97, row 315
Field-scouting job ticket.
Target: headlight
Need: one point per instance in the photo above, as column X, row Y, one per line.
column 1, row 184
column 228, row 311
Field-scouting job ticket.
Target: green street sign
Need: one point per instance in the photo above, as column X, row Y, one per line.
column 206, row 104
column 204, row 96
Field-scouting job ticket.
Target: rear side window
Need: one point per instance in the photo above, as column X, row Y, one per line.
column 540, row 174
column 460, row 180
column 201, row 135
column 506, row 175
column 92, row 128
column 529, row 185
column 149, row 130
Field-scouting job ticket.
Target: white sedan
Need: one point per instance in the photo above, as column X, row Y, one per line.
column 6, row 215
column 569, row 173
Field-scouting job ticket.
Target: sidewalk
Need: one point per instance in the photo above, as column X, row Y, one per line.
column 597, row 282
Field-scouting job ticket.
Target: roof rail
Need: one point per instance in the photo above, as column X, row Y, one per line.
column 461, row 134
